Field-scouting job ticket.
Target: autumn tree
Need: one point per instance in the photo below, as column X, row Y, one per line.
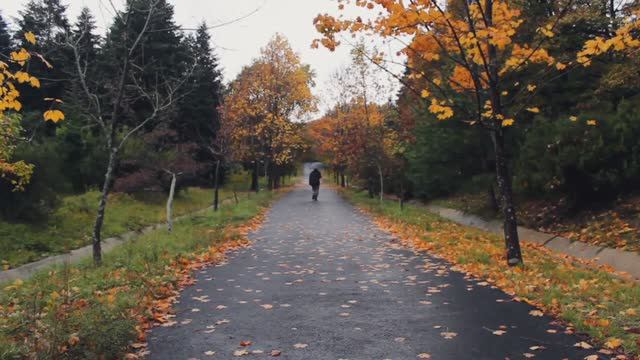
column 468, row 55
column 48, row 21
column 263, row 102
column 14, row 72
column 151, row 91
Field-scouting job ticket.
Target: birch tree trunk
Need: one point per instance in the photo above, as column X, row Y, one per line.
column 216, row 182
column 381, row 182
column 170, row 203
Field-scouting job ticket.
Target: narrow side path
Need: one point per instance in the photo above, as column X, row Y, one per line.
column 620, row 260
column 322, row 282
column 26, row 271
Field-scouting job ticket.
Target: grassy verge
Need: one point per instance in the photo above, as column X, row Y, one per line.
column 590, row 299
column 617, row 225
column 69, row 226
column 84, row 312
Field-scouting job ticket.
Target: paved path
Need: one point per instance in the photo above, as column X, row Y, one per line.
column 322, row 282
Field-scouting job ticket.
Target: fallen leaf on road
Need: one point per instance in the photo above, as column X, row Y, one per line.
column 300, row 346
column 583, row 345
column 276, row 352
column 242, row 352
column 536, row 313
column 424, row 356
column 209, row 353
column 499, row 332
column 448, row 335
column 245, row 343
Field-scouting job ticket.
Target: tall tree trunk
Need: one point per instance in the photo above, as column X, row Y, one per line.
column 492, row 199
column 381, row 182
column 512, row 242
column 102, row 205
column 401, row 195
column 370, row 187
column 255, row 184
column 342, row 179
column 172, row 190
column 216, row 186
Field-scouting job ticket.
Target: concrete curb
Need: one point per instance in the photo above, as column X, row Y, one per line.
column 28, row 270
column 622, row 261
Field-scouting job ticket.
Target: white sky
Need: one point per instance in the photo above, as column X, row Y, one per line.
column 237, row 44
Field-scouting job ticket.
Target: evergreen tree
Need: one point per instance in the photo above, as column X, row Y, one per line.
column 161, row 54
column 5, row 39
column 198, row 118
column 48, row 21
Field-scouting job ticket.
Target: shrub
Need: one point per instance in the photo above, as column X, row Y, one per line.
column 584, row 162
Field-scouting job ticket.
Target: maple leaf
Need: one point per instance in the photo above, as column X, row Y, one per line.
column 507, row 122
column 613, row 343
column 583, row 345
column 53, row 115
column 241, row 352
column 448, row 335
column 30, row 37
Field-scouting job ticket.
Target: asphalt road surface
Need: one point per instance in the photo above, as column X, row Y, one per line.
column 321, row 281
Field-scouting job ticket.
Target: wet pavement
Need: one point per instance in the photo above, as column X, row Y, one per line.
column 321, row 281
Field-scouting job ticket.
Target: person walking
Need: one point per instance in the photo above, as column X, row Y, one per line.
column 314, row 181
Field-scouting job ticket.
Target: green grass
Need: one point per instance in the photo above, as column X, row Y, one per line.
column 69, row 226
column 593, row 300
column 100, row 307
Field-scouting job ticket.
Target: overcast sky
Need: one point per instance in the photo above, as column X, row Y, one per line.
column 237, row 44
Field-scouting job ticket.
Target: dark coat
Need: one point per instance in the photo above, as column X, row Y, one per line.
column 314, row 177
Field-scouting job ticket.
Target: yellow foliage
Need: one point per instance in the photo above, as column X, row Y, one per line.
column 54, row 115
column 17, row 173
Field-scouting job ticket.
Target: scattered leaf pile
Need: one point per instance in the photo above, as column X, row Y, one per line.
column 589, row 299
column 616, row 226
column 85, row 312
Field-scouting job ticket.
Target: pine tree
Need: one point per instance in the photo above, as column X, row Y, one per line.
column 48, row 21
column 5, row 39
column 198, row 118
column 160, row 56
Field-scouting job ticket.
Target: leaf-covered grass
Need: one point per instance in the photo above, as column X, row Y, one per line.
column 69, row 226
column 592, row 299
column 616, row 225
column 84, row 312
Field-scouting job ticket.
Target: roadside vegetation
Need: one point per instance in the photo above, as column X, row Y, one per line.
column 69, row 226
column 88, row 312
column 589, row 299
column 614, row 223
